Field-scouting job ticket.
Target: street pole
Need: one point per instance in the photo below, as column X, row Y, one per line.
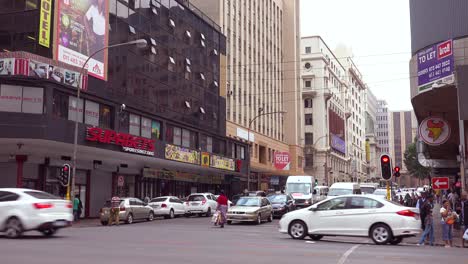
column 78, row 93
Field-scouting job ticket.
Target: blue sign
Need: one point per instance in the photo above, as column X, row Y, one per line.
column 435, row 64
column 338, row 144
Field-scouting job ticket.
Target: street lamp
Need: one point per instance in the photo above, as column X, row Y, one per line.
column 141, row 43
column 248, row 136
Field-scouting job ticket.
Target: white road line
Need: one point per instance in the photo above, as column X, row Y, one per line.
column 310, row 242
column 346, row 254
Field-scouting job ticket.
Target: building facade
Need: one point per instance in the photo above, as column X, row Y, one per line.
column 262, row 81
column 155, row 125
column 383, row 128
column 372, row 150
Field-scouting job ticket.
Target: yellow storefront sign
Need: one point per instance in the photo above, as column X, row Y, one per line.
column 44, row 23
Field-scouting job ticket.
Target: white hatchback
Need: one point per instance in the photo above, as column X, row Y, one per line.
column 24, row 210
column 167, row 206
column 201, row 204
column 353, row 215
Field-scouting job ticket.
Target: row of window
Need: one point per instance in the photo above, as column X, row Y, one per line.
column 21, row 99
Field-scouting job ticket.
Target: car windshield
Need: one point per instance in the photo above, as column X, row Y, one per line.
column 274, row 199
column 42, row 195
column 303, row 188
column 244, row 201
column 337, row 191
column 367, row 189
column 380, row 192
column 196, row 198
column 158, row 200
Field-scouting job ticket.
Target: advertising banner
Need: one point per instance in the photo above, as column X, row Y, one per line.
column 44, row 23
column 155, row 129
column 282, row 160
column 338, row 144
column 81, row 29
column 129, row 143
column 435, row 65
column 205, row 159
column 434, row 131
column 182, row 154
column 222, row 163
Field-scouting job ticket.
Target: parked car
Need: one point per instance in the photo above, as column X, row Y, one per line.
column 24, row 210
column 353, row 215
column 257, row 193
column 201, row 204
column 167, row 206
column 250, row 209
column 281, row 204
column 131, row 209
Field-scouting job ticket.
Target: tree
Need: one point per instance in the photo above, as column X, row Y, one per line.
column 412, row 164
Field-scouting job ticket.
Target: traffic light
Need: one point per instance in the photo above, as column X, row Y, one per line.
column 396, row 171
column 386, row 167
column 64, row 174
column 316, row 182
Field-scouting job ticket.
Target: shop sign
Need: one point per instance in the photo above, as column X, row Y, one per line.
column 222, row 163
column 158, row 174
column 186, row 177
column 128, row 142
column 81, row 29
column 338, row 144
column 205, row 159
column 435, row 65
column 182, row 154
column 434, row 131
column 27, row 64
column 44, row 23
column 282, row 160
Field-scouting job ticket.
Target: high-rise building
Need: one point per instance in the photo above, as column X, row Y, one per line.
column 372, row 153
column 262, row 81
column 383, row 128
column 402, row 134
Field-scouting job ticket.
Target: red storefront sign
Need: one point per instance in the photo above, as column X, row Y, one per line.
column 282, row 160
column 128, row 142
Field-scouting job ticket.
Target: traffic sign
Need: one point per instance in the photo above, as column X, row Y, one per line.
column 120, row 181
column 440, row 183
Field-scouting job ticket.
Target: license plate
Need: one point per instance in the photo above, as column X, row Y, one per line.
column 195, row 204
column 60, row 223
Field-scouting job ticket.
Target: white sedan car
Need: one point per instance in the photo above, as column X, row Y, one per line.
column 167, row 206
column 353, row 215
column 24, row 210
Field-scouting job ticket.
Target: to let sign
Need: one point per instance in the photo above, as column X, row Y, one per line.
column 435, row 64
column 282, row 160
column 440, row 183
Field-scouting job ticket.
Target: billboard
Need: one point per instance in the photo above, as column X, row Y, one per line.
column 182, row 154
column 81, row 28
column 435, row 65
column 222, row 163
column 338, row 144
column 434, row 131
column 44, row 23
column 282, row 160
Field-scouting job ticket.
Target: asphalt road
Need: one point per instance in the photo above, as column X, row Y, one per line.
column 194, row 240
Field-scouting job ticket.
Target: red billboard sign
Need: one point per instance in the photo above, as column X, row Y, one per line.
column 282, row 160
column 128, row 142
column 440, row 183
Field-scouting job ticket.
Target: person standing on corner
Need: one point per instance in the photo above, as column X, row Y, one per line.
column 448, row 219
column 419, row 205
column 222, row 208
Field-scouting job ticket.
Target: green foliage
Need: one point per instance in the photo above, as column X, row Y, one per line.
column 412, row 164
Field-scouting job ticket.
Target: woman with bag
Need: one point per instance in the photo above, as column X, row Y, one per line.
column 222, row 208
column 448, row 219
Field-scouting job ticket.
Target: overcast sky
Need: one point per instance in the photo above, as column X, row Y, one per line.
column 377, row 31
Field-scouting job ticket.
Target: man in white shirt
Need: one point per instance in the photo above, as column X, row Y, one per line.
column 96, row 32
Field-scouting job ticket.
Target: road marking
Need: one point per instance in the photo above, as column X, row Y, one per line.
column 346, row 254
column 310, row 242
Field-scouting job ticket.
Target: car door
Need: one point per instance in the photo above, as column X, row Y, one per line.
column 7, row 205
column 178, row 206
column 360, row 214
column 267, row 208
column 327, row 217
column 138, row 208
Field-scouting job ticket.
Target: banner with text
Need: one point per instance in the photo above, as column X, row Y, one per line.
column 435, row 65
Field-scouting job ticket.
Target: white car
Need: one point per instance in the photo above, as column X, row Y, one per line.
column 201, row 204
column 353, row 215
column 167, row 206
column 25, row 210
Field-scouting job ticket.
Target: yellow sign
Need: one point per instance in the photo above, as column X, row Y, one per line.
column 205, row 159
column 368, row 154
column 44, row 23
column 222, row 163
column 182, row 154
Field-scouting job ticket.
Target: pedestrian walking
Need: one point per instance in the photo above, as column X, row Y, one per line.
column 448, row 219
column 114, row 211
column 429, row 223
column 222, row 208
column 419, row 205
column 77, row 206
column 464, row 214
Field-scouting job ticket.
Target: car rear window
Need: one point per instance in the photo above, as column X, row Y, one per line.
column 158, row 200
column 196, row 198
column 42, row 195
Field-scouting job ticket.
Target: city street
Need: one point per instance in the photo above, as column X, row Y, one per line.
column 194, row 240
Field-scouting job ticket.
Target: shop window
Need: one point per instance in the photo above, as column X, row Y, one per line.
column 134, row 125
column 60, row 105
column 21, row 99
column 105, row 117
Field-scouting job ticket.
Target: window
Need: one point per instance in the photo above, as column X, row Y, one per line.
column 92, row 113
column 308, row 50
column 146, row 127
column 8, row 196
column 177, row 139
column 155, row 130
column 75, row 109
column 134, row 125
column 308, row 119
column 309, row 160
column 307, row 65
column 60, row 105
column 105, row 117
column 185, row 138
column 308, row 84
column 21, row 99
column 308, row 103
column 363, row 203
column 309, row 138
column 334, row 204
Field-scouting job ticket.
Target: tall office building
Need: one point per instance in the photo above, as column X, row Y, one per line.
column 372, row 152
column 383, row 128
column 261, row 81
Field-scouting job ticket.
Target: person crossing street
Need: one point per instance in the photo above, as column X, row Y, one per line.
column 222, row 208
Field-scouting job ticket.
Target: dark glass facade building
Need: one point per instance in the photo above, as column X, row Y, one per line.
column 156, row 126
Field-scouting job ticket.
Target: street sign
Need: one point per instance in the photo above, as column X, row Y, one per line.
column 120, row 181
column 440, row 183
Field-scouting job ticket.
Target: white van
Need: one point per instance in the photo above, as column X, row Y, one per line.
column 320, row 193
column 301, row 190
column 368, row 188
column 344, row 188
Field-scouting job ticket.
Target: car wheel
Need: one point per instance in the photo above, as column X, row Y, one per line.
column 151, row 216
column 316, row 237
column 104, row 223
column 381, row 234
column 129, row 219
column 229, row 222
column 297, row 230
column 187, row 215
column 49, row 232
column 270, row 219
column 208, row 213
column 171, row 214
column 13, row 228
column 396, row 240
column 259, row 219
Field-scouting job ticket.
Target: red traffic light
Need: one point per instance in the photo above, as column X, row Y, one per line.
column 65, row 168
column 385, row 159
column 397, row 169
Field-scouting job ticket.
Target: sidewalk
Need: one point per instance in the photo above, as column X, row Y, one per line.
column 88, row 222
column 457, row 234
